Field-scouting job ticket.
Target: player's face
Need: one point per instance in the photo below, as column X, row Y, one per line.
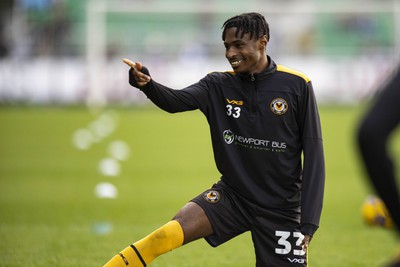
column 244, row 54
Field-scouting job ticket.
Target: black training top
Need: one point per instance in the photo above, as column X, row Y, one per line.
column 260, row 125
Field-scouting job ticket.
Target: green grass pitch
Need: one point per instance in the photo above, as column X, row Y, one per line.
column 50, row 215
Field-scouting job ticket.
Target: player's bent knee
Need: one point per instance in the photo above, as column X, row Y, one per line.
column 194, row 222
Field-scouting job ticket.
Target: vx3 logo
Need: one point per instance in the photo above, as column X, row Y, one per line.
column 235, row 102
column 296, row 260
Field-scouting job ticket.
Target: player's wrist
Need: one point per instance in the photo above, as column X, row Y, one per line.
column 140, row 84
column 308, row 229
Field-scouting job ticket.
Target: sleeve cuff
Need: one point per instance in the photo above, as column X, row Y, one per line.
column 308, row 229
column 133, row 82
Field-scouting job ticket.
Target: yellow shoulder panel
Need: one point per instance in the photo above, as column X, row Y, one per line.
column 294, row 72
column 227, row 71
column 231, row 72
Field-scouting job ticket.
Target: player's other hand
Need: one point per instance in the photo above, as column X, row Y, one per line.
column 140, row 78
column 306, row 242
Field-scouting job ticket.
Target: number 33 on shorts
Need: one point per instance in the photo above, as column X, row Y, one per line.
column 285, row 247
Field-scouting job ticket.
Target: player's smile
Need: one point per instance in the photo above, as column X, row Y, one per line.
column 235, row 63
column 245, row 54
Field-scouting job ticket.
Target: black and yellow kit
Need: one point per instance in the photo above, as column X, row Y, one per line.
column 266, row 136
column 374, row 133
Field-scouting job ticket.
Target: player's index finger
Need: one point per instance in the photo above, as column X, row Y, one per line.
column 129, row 63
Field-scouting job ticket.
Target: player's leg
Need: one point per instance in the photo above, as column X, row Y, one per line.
column 194, row 222
column 226, row 211
column 395, row 262
column 277, row 240
column 373, row 136
column 189, row 224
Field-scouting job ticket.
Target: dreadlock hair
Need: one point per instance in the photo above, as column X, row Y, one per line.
column 253, row 23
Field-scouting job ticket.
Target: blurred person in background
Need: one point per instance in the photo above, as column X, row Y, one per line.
column 263, row 117
column 46, row 28
column 6, row 7
column 373, row 135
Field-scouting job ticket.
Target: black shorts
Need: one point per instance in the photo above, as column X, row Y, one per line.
column 275, row 234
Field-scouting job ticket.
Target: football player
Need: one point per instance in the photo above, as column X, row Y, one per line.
column 374, row 133
column 263, row 117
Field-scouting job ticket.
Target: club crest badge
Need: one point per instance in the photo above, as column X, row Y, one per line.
column 279, row 106
column 211, row 196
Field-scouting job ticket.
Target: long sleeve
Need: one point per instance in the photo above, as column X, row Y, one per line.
column 173, row 100
column 313, row 166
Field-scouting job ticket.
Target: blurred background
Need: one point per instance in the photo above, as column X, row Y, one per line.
column 88, row 165
column 70, row 51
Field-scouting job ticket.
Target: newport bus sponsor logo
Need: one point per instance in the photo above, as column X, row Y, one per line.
column 253, row 143
column 228, row 137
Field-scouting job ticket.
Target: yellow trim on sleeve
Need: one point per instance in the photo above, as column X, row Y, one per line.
column 294, row 72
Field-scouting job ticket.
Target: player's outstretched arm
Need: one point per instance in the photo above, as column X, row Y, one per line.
column 140, row 78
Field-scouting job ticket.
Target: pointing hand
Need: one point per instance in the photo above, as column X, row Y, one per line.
column 140, row 78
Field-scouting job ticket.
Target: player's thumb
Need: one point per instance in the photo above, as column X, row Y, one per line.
column 139, row 66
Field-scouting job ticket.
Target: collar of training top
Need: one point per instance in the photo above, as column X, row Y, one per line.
column 262, row 75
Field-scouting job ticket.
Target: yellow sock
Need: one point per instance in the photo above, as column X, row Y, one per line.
column 141, row 253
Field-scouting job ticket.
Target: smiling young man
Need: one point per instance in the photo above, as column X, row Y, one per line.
column 263, row 117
